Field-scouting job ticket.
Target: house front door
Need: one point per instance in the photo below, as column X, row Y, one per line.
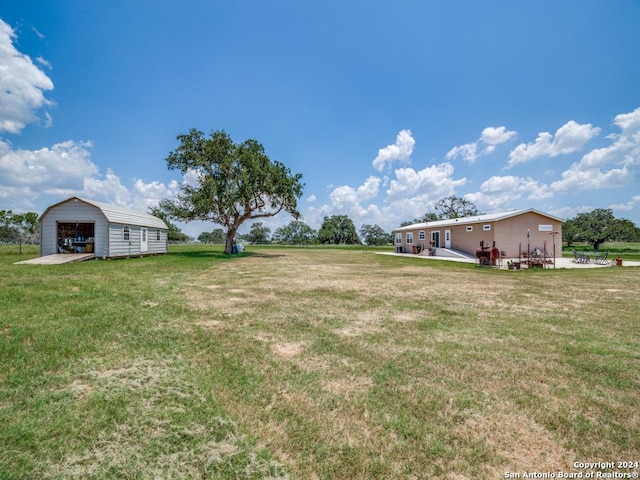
column 435, row 239
column 144, row 240
column 447, row 239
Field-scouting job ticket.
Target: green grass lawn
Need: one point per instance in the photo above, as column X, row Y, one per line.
column 312, row 363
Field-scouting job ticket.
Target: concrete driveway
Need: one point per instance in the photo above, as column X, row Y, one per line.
column 560, row 262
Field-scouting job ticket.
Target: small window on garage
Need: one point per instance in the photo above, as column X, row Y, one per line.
column 398, row 238
column 410, row 237
column 470, row 228
column 421, row 235
column 126, row 232
column 486, row 227
column 158, row 235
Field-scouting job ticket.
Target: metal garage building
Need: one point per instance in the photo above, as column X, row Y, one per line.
column 78, row 225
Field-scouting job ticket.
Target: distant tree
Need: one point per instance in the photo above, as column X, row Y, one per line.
column 338, row 229
column 570, row 232
column 235, row 182
column 599, row 226
column 295, row 233
column 8, row 231
column 174, row 234
column 625, row 231
column 28, row 226
column 259, row 233
column 374, row 235
column 19, row 227
column 455, row 207
column 216, row 236
column 427, row 217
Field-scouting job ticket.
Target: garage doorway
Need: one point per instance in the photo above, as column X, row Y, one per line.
column 76, row 237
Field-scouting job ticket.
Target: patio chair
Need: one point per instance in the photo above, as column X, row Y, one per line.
column 600, row 258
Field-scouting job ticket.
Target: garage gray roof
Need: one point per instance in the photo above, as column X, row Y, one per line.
column 117, row 214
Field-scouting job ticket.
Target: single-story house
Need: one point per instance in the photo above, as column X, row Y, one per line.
column 78, row 225
column 515, row 233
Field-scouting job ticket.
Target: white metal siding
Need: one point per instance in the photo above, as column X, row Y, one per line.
column 107, row 232
column 72, row 212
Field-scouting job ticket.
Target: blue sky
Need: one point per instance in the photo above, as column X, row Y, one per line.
column 384, row 107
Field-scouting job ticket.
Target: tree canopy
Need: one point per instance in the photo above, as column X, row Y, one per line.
column 338, row 229
column 16, row 227
column 455, row 207
column 216, row 236
column 597, row 227
column 233, row 182
column 447, row 208
column 259, row 233
column 295, row 233
column 374, row 235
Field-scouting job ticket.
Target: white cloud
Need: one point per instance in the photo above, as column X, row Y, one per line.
column 311, row 198
column 490, row 137
column 399, row 152
column 628, row 206
column 348, row 198
column 496, row 136
column 468, row 152
column 109, row 190
column 500, row 192
column 610, row 166
column 435, row 181
column 23, row 85
column 63, row 166
column 569, row 138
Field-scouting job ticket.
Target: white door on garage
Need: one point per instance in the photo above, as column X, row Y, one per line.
column 144, row 240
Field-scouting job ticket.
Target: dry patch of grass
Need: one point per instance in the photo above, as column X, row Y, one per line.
column 380, row 368
column 153, row 395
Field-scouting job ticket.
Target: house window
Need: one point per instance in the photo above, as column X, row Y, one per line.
column 545, row 228
column 125, row 232
column 158, row 235
column 410, row 237
column 486, row 227
column 421, row 235
column 470, row 228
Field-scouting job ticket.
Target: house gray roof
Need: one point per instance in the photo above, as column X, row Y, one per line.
column 117, row 214
column 490, row 217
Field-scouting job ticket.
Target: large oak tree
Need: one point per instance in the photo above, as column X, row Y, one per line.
column 234, row 182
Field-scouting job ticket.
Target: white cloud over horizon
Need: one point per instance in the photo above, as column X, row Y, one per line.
column 569, row 138
column 610, row 166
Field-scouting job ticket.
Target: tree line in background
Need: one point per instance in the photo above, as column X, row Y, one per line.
column 19, row 227
column 594, row 228
column 335, row 230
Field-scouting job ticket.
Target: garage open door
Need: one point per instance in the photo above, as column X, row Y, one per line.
column 76, row 237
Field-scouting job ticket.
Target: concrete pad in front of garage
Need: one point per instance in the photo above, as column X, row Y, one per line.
column 58, row 259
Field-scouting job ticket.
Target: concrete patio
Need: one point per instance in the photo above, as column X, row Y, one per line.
column 559, row 262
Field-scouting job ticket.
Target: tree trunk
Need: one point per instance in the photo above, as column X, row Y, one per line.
column 228, row 243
